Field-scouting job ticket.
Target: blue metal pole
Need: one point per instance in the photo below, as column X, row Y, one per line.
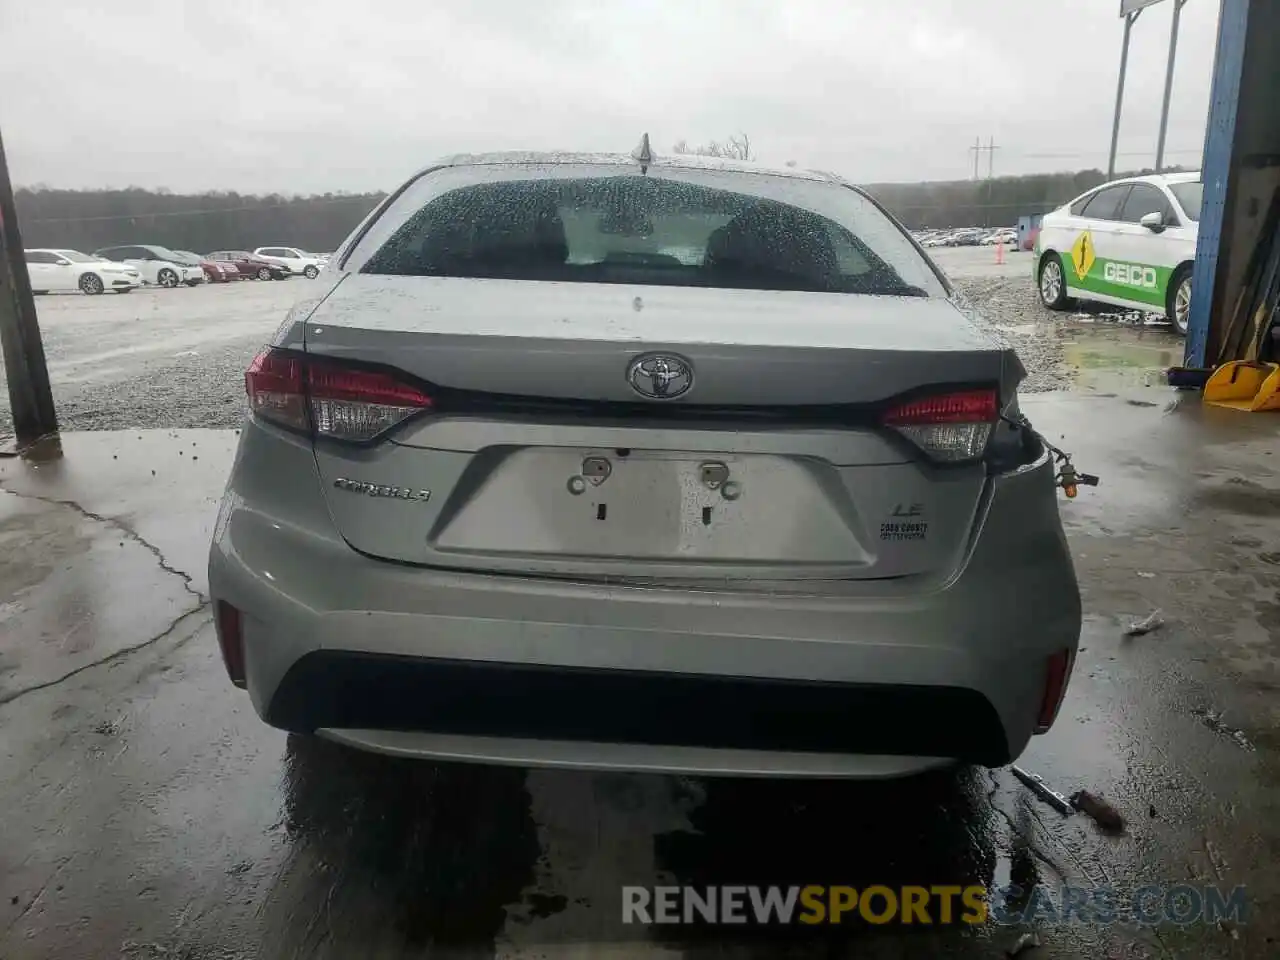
column 1216, row 170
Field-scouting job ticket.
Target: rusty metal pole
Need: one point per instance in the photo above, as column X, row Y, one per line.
column 30, row 397
column 1168, row 83
column 1129, row 20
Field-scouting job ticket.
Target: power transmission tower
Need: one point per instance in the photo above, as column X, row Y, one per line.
column 976, row 150
column 991, row 173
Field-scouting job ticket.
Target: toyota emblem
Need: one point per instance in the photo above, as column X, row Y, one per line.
column 660, row 376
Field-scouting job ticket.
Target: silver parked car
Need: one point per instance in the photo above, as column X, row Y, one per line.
column 522, row 485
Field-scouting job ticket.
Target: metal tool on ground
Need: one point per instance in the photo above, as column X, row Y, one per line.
column 1043, row 791
column 1244, row 379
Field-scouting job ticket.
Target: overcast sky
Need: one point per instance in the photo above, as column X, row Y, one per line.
column 300, row 97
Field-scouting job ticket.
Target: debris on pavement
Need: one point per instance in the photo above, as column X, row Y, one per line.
column 1146, row 575
column 1216, row 859
column 1025, row 942
column 1153, row 621
column 1102, row 813
column 1213, row 720
column 1043, row 791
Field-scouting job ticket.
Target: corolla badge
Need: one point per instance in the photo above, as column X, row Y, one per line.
column 382, row 490
column 660, row 376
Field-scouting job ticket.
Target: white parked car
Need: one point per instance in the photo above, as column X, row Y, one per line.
column 65, row 271
column 298, row 261
column 1131, row 243
column 158, row 265
column 1007, row 237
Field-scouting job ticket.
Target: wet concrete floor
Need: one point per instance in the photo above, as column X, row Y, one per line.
column 148, row 813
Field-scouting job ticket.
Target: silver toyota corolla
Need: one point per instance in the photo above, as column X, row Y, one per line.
column 668, row 464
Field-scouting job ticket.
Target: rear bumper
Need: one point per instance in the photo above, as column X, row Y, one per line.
column 866, row 679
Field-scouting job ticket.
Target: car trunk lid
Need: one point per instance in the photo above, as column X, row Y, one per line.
column 539, row 457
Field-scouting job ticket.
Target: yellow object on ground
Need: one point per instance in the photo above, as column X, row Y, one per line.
column 1244, row 385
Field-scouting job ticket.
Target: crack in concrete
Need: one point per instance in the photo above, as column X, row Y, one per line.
column 124, row 528
column 62, row 863
column 201, row 607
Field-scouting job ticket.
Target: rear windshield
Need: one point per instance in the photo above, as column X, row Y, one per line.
column 1189, row 195
column 672, row 227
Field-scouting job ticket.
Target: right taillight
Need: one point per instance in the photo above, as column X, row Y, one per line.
column 951, row 427
column 328, row 399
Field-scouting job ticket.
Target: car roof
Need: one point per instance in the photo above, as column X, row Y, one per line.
column 1156, row 178
column 679, row 161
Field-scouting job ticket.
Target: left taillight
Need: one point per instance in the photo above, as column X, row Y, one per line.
column 325, row 398
column 1057, row 673
column 229, row 628
column 951, row 427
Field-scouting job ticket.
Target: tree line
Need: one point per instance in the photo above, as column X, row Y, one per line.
column 89, row 219
column 996, row 202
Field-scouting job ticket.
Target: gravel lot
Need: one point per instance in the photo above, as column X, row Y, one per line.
column 175, row 358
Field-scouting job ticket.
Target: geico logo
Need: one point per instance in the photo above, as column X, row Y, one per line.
column 1130, row 274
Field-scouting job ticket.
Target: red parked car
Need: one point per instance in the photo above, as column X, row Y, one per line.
column 214, row 272
column 250, row 266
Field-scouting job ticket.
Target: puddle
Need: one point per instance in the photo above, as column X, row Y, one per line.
column 1107, row 359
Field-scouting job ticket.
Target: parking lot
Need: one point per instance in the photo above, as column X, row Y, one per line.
column 175, row 358
column 156, row 815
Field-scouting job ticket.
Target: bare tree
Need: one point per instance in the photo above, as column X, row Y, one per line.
column 737, row 147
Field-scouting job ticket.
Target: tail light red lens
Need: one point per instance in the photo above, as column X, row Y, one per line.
column 949, row 427
column 275, row 385
column 328, row 399
column 1057, row 672
column 231, row 641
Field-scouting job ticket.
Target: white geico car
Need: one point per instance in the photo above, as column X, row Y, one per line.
column 1131, row 243
column 65, row 271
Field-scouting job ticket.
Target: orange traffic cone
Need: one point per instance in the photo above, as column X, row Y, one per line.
column 1000, row 252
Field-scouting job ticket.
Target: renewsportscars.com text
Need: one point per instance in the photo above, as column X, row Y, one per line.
column 941, row 905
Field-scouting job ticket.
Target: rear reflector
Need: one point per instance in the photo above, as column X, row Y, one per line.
column 328, row 399
column 231, row 641
column 948, row 427
column 1057, row 670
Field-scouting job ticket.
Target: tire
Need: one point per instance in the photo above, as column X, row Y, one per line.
column 1178, row 302
column 1052, row 294
column 311, row 273
column 167, row 278
column 91, row 284
column 264, row 273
